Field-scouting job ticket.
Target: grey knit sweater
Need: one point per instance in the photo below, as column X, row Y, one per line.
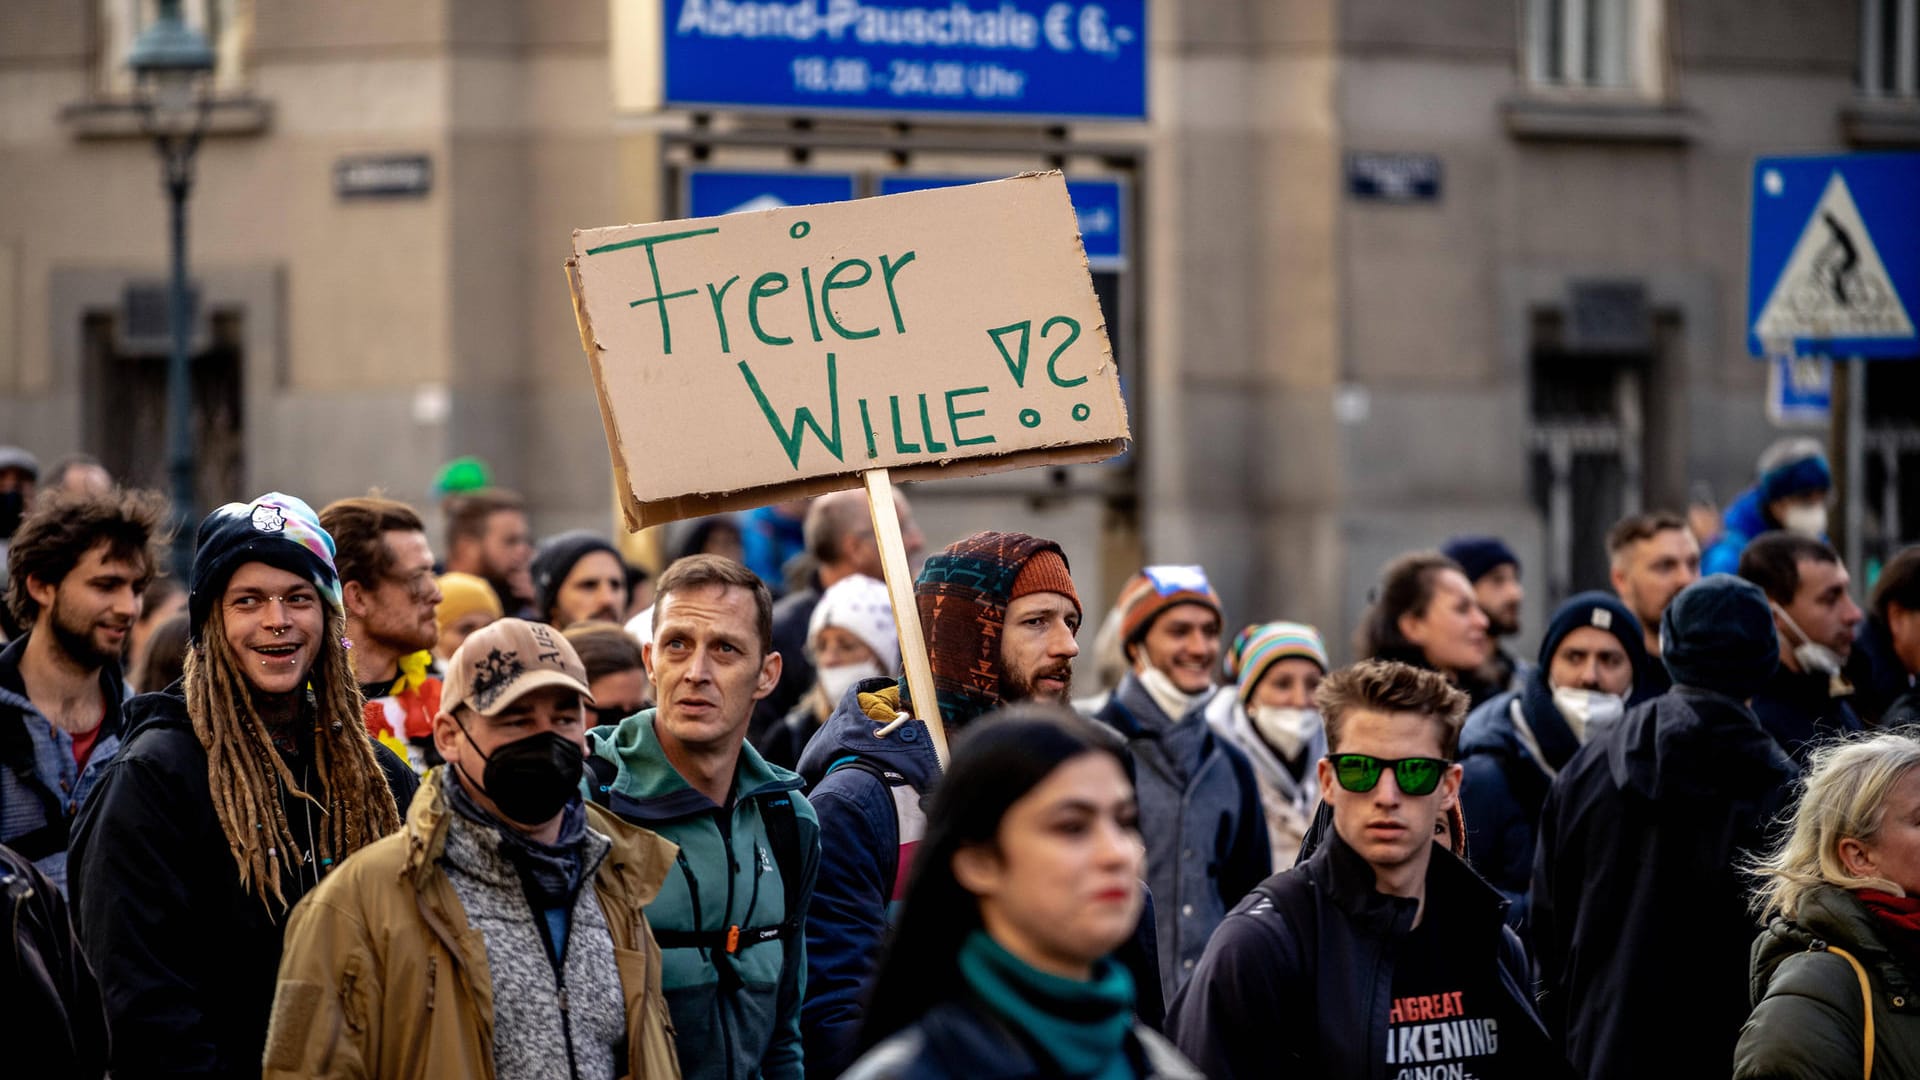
column 544, row 1028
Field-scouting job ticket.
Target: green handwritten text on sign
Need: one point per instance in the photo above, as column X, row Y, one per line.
column 758, row 356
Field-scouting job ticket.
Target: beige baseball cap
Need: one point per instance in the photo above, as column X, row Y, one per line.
column 507, row 658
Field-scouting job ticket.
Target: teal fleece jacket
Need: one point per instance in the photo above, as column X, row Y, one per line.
column 726, row 875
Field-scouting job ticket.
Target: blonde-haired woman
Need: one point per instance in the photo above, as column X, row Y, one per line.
column 1837, row 972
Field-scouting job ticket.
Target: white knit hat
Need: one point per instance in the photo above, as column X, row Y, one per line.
column 860, row 606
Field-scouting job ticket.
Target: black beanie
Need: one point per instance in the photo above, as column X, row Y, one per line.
column 1602, row 611
column 1479, row 555
column 1718, row 635
column 554, row 561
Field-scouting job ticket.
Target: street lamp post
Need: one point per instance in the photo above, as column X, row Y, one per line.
column 171, row 62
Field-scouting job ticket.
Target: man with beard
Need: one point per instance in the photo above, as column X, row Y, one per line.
column 1000, row 613
column 1200, row 812
column 488, row 537
column 578, row 577
column 76, row 571
column 388, row 588
column 1494, row 570
column 234, row 795
column 1653, row 556
column 1814, row 615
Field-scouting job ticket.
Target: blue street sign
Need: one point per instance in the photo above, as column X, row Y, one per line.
column 1800, row 390
column 1835, row 256
column 1042, row 59
column 1098, row 204
column 711, row 192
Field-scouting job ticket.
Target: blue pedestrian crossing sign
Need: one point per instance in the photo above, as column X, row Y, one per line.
column 1834, row 264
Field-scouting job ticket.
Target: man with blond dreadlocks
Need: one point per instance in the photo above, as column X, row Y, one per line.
column 229, row 800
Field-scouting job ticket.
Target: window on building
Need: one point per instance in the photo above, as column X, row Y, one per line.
column 1602, row 45
column 1890, row 49
column 227, row 25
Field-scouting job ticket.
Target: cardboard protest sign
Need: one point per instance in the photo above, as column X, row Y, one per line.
column 745, row 359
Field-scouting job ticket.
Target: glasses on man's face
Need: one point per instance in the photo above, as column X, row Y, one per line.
column 419, row 585
column 1416, row 776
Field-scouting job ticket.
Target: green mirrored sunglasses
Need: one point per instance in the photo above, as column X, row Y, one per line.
column 1416, row 776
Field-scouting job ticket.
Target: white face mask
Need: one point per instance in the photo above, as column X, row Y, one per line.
column 1587, row 711
column 1813, row 656
column 1173, row 701
column 1286, row 730
column 1807, row 519
column 836, row 681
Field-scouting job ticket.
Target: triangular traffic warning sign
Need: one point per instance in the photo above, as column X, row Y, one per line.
column 1834, row 284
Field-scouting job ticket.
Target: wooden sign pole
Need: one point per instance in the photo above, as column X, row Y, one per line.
column 906, row 612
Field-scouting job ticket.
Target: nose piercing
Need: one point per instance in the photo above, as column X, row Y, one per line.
column 279, row 631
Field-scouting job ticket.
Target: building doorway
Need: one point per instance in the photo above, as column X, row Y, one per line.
column 125, row 405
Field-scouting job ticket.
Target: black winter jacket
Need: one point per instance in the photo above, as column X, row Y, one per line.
column 962, row 1040
column 187, row 959
column 1639, row 909
column 56, row 1027
column 1298, row 979
column 1809, row 1016
column 1797, row 709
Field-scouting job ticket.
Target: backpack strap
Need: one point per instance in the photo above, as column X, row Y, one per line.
column 782, row 823
column 1866, row 998
column 892, row 780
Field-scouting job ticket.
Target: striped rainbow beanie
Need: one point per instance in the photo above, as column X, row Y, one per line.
column 1258, row 647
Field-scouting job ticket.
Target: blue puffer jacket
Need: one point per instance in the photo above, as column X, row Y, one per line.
column 860, row 859
column 1743, row 520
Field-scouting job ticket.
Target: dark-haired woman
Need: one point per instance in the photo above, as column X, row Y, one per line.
column 1026, row 882
column 1424, row 613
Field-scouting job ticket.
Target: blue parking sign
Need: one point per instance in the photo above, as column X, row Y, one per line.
column 711, row 192
column 1098, row 205
column 1835, row 257
column 1800, row 390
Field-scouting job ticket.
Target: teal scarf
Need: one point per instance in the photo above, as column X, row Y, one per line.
column 1082, row 1026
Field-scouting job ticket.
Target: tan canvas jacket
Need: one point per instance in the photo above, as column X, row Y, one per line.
column 382, row 976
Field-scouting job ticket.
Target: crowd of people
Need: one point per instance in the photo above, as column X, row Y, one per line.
column 339, row 801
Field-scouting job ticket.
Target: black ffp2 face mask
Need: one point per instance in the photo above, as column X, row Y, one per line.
column 532, row 779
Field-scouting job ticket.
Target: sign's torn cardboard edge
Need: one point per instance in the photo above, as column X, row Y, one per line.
column 629, row 507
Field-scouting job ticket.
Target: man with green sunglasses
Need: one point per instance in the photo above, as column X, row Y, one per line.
column 1290, row 983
